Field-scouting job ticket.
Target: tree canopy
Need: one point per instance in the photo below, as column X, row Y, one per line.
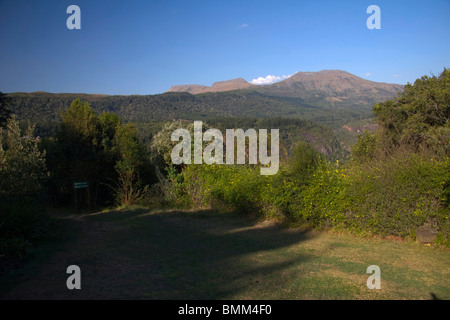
column 5, row 112
column 418, row 118
column 99, row 150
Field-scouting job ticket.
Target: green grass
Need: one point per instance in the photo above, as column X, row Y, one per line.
column 142, row 254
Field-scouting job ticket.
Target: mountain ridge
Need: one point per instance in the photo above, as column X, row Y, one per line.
column 330, row 97
column 219, row 86
column 333, row 86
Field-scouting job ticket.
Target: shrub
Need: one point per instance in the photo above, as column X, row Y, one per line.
column 395, row 196
column 322, row 201
column 303, row 162
column 171, row 189
column 364, row 150
column 277, row 193
column 22, row 164
column 231, row 186
column 22, row 174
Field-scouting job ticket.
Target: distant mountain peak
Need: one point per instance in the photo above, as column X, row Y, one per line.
column 237, row 81
column 219, row 86
column 331, row 87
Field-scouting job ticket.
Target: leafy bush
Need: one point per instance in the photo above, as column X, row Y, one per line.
column 22, row 177
column 364, row 149
column 322, row 201
column 168, row 191
column 231, row 186
column 395, row 196
column 22, row 164
column 132, row 162
column 391, row 197
column 303, row 162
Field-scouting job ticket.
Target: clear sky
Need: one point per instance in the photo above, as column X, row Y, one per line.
column 145, row 47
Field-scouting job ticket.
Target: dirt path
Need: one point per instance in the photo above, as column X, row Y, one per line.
column 137, row 254
column 130, row 255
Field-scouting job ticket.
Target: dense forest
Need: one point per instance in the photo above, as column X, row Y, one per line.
column 44, row 108
column 117, row 148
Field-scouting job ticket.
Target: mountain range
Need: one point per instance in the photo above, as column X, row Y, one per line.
column 330, row 97
column 328, row 108
column 324, row 87
column 219, row 86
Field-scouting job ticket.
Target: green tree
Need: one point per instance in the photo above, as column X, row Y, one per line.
column 100, row 150
column 76, row 152
column 22, row 164
column 418, row 118
column 5, row 113
column 162, row 143
column 303, row 162
column 107, row 155
column 80, row 120
column 132, row 167
column 22, row 178
column 109, row 123
column 364, row 149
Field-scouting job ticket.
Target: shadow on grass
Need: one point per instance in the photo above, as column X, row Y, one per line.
column 140, row 254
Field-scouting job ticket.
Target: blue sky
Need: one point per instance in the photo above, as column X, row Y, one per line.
column 145, row 47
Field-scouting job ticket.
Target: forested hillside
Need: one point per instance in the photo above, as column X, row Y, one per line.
column 46, row 107
column 330, row 98
column 237, row 109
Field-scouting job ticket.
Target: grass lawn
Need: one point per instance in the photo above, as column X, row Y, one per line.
column 144, row 254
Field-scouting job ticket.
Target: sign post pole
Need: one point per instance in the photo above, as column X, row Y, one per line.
column 82, row 185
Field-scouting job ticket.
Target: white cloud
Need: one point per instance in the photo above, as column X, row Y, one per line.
column 269, row 79
column 396, row 75
column 243, row 26
column 367, row 74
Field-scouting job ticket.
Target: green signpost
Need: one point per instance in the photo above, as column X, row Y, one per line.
column 82, row 185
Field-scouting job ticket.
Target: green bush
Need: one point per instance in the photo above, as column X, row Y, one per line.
column 22, row 176
column 364, row 149
column 303, row 162
column 390, row 197
column 322, row 201
column 277, row 193
column 231, row 186
column 396, row 196
column 173, row 188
